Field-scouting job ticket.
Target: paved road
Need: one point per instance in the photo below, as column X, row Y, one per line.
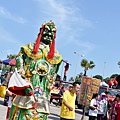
column 55, row 111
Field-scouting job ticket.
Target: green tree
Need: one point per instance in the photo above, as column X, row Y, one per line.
column 106, row 79
column 113, row 75
column 98, row 77
column 87, row 65
column 10, row 56
column 71, row 79
column 78, row 77
column 118, row 63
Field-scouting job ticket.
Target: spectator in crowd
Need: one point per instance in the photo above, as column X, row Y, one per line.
column 55, row 93
column 61, row 95
column 11, row 96
column 68, row 103
column 93, row 107
column 4, row 79
column 107, row 107
column 102, row 107
column 118, row 106
column 0, row 78
column 113, row 111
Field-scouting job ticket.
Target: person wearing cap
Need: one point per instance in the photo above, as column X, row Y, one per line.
column 102, row 107
column 93, row 107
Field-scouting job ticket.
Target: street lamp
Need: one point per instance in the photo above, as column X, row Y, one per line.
column 79, row 55
column 104, row 70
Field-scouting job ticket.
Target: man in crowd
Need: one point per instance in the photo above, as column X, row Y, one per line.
column 68, row 103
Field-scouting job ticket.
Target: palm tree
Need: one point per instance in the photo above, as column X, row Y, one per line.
column 87, row 65
column 119, row 63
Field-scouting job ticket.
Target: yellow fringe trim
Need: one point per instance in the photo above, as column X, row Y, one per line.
column 53, row 61
column 56, row 60
column 31, row 55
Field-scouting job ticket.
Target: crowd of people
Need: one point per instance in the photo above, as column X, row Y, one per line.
column 101, row 109
column 66, row 99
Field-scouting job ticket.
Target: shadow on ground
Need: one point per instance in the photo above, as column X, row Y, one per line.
column 78, row 111
column 54, row 116
column 1, row 102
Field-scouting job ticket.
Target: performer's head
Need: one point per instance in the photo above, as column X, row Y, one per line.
column 48, row 32
column 47, row 36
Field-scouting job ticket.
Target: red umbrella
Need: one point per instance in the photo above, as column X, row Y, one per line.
column 11, row 62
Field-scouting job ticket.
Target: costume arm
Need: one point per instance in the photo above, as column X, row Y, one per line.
column 20, row 67
column 57, row 68
column 19, row 63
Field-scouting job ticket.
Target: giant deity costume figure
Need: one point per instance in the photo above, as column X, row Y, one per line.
column 37, row 64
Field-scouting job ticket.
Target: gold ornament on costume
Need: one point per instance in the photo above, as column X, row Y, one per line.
column 42, row 67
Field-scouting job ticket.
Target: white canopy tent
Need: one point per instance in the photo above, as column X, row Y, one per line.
column 104, row 84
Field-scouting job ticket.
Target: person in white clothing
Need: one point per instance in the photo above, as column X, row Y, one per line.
column 93, row 107
column 11, row 96
column 101, row 107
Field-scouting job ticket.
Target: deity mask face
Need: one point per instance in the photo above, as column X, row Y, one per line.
column 48, row 34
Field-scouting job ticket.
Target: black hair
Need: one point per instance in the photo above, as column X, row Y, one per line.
column 62, row 87
column 106, row 92
column 75, row 83
column 118, row 95
column 95, row 95
column 57, row 85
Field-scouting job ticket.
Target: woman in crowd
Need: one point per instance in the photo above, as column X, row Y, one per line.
column 113, row 111
column 118, row 106
column 102, row 106
column 93, row 107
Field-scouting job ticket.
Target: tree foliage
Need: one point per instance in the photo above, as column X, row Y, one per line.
column 118, row 63
column 71, row 79
column 87, row 65
column 10, row 56
column 113, row 75
column 79, row 77
column 98, row 77
column 106, row 79
column 8, row 67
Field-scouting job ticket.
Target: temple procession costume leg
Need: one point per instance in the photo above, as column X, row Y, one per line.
column 37, row 65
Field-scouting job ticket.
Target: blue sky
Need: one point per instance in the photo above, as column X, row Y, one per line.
column 89, row 27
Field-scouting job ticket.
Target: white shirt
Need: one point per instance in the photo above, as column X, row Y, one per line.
column 93, row 112
column 10, row 102
column 102, row 106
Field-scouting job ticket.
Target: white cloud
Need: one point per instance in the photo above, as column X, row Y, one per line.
column 69, row 20
column 8, row 15
column 85, row 46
